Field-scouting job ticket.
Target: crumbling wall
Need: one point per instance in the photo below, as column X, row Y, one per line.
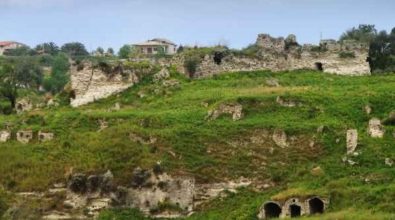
column 279, row 54
column 90, row 83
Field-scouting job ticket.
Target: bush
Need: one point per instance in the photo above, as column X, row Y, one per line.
column 191, row 64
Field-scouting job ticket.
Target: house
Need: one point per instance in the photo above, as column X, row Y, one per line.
column 9, row 45
column 155, row 45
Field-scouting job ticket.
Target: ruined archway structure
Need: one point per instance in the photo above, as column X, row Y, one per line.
column 293, row 208
column 283, row 54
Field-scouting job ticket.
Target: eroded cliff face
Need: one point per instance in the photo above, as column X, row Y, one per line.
column 279, row 54
column 90, row 82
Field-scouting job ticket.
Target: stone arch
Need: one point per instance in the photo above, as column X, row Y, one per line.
column 272, row 210
column 319, row 66
column 316, row 205
column 295, row 210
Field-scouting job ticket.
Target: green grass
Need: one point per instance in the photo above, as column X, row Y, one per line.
column 214, row 150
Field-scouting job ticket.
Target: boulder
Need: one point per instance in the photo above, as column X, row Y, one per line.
column 45, row 136
column 24, row 136
column 235, row 110
column 352, row 141
column 368, row 109
column 5, row 136
column 23, row 105
column 272, row 82
column 161, row 75
column 389, row 162
column 375, row 129
column 78, row 183
column 280, row 138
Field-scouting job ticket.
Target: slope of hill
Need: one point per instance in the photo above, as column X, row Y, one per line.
column 290, row 141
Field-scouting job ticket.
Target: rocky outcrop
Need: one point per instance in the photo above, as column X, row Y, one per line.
column 280, row 138
column 23, row 105
column 5, row 136
column 235, row 110
column 352, row 141
column 375, row 129
column 161, row 75
column 24, row 136
column 90, row 82
column 45, row 136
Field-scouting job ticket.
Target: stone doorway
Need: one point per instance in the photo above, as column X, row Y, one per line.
column 316, row 206
column 295, row 211
column 319, row 66
column 272, row 210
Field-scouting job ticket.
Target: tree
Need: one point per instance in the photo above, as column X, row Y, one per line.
column 59, row 78
column 74, row 49
column 100, row 50
column 47, row 48
column 125, row 51
column 20, row 51
column 364, row 33
column 110, row 51
column 19, row 73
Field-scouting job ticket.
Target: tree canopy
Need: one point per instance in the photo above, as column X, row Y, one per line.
column 74, row 49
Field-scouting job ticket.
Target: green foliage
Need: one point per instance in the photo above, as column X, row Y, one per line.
column 74, row 49
column 122, row 214
column 125, row 51
column 47, row 48
column 363, row 33
column 100, row 50
column 110, row 51
column 20, row 51
column 347, row 54
column 58, row 78
column 250, row 51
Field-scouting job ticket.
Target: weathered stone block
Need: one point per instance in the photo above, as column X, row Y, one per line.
column 45, row 136
column 375, row 129
column 352, row 140
column 5, row 136
column 24, row 136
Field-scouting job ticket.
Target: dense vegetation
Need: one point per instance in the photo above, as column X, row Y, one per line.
column 213, row 150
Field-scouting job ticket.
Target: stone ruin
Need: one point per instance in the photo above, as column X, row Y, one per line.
column 293, row 208
column 279, row 54
column 24, row 136
column 45, row 136
column 234, row 110
column 90, row 83
column 5, row 136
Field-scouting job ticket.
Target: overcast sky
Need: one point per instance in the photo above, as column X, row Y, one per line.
column 112, row 23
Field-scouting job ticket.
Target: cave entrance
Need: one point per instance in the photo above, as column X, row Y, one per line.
column 319, row 66
column 295, row 211
column 316, row 206
column 272, row 210
column 218, row 56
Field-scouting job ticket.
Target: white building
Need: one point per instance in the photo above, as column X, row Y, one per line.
column 153, row 46
column 9, row 45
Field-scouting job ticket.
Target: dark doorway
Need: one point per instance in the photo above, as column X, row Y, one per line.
column 295, row 211
column 218, row 56
column 272, row 210
column 316, row 206
column 319, row 66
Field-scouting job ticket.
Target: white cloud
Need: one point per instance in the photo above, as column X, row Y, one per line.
column 34, row 3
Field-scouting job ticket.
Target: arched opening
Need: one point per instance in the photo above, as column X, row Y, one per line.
column 319, row 66
column 272, row 210
column 295, row 210
column 316, row 206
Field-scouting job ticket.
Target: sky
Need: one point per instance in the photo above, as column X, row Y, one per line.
column 113, row 23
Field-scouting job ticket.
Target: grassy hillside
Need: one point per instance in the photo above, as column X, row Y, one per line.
column 220, row 150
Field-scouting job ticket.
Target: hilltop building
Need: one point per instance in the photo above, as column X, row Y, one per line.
column 153, row 46
column 9, row 45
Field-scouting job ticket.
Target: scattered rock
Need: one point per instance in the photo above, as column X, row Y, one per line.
column 352, row 141
column 23, row 105
column 317, row 171
column 52, row 103
column 171, row 83
column 389, row 162
column 5, row 136
column 141, row 94
column 368, row 109
column 375, row 129
column 45, row 136
column 236, row 110
column 161, row 75
column 24, row 136
column 272, row 82
column 97, row 205
column 78, row 183
column 391, row 119
column 116, row 107
column 349, row 161
column 280, row 138
column 103, row 124
column 287, row 103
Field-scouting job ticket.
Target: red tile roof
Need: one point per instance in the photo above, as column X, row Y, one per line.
column 7, row 43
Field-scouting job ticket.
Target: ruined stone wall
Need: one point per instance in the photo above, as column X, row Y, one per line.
column 279, row 54
column 90, row 83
